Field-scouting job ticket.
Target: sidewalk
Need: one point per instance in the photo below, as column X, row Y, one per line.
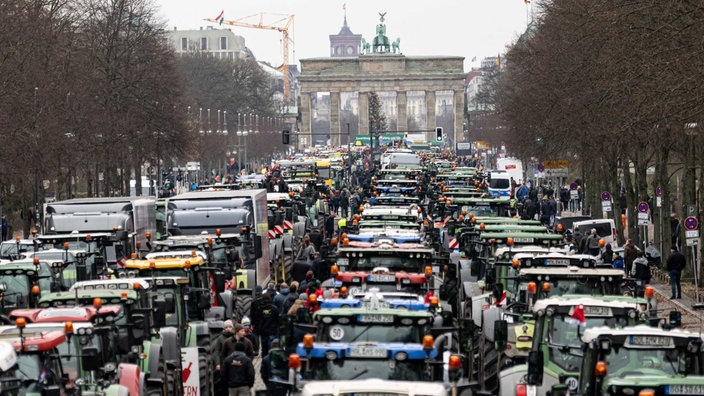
column 691, row 318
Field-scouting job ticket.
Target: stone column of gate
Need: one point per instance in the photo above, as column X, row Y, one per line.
column 305, row 121
column 430, row 120
column 335, row 119
column 363, row 102
column 401, row 111
column 458, row 100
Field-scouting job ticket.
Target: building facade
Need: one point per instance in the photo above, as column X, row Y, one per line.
column 221, row 43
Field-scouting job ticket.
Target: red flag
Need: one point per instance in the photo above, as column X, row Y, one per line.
column 578, row 317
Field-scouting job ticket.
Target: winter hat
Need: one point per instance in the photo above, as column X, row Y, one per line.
column 238, row 327
column 303, row 297
column 258, row 289
column 227, row 323
column 246, row 321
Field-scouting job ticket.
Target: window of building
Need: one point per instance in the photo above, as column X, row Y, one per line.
column 204, row 43
column 223, row 43
column 184, row 43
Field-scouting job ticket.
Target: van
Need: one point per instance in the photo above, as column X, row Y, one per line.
column 499, row 184
column 605, row 228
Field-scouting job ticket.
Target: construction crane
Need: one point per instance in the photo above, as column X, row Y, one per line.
column 282, row 25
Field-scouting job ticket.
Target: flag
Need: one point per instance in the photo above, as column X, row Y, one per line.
column 578, row 316
column 526, row 1
column 220, row 18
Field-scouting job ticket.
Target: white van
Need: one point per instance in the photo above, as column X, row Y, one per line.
column 499, row 184
column 605, row 228
column 513, row 166
column 373, row 386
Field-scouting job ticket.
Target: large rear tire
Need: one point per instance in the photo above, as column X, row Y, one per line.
column 243, row 306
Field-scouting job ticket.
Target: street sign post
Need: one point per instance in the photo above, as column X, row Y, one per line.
column 691, row 233
column 643, row 207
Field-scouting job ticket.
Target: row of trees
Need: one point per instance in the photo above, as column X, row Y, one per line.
column 616, row 87
column 90, row 91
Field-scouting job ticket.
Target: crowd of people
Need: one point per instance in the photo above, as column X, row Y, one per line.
column 271, row 316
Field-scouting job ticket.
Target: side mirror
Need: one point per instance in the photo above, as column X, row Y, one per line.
column 535, row 368
column 500, row 335
column 159, row 319
column 138, row 328
column 497, row 291
column 170, row 303
column 90, row 358
column 203, row 301
column 219, row 279
column 257, row 246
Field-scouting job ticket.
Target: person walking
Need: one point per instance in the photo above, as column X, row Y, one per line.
column 592, row 245
column 267, row 322
column 675, row 264
column 239, row 336
column 217, row 356
column 273, row 388
column 607, row 256
column 4, row 228
column 630, row 252
column 641, row 269
column 238, row 372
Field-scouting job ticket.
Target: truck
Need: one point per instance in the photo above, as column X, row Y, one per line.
column 130, row 219
column 513, row 166
column 226, row 211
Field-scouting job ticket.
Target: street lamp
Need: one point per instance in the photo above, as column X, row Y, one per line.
column 239, row 140
column 218, row 131
column 200, row 121
column 209, row 129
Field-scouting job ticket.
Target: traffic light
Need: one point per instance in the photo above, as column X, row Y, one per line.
column 285, row 136
column 438, row 134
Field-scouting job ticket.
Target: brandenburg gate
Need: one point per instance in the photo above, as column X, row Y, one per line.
column 382, row 68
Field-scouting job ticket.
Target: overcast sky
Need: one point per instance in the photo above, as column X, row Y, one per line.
column 468, row 28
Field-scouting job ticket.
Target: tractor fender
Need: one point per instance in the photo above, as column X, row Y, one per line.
column 478, row 303
column 226, row 302
column 288, row 242
column 215, row 313
column 116, row 390
column 201, row 328
column 170, row 345
column 489, row 317
column 130, row 377
column 154, row 359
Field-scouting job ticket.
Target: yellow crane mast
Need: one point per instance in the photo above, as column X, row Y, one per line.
column 283, row 24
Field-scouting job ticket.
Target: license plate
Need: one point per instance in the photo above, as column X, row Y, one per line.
column 382, row 278
column 650, row 340
column 523, row 240
column 557, row 262
column 368, row 352
column 685, row 390
column 376, row 318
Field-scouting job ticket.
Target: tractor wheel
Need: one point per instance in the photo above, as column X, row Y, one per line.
column 205, row 366
column 243, row 306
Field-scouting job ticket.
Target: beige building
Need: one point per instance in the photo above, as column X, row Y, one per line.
column 222, row 43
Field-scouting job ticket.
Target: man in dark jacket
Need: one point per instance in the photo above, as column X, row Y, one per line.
column 630, row 252
column 675, row 264
column 239, row 336
column 238, row 372
column 267, row 373
column 268, row 322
